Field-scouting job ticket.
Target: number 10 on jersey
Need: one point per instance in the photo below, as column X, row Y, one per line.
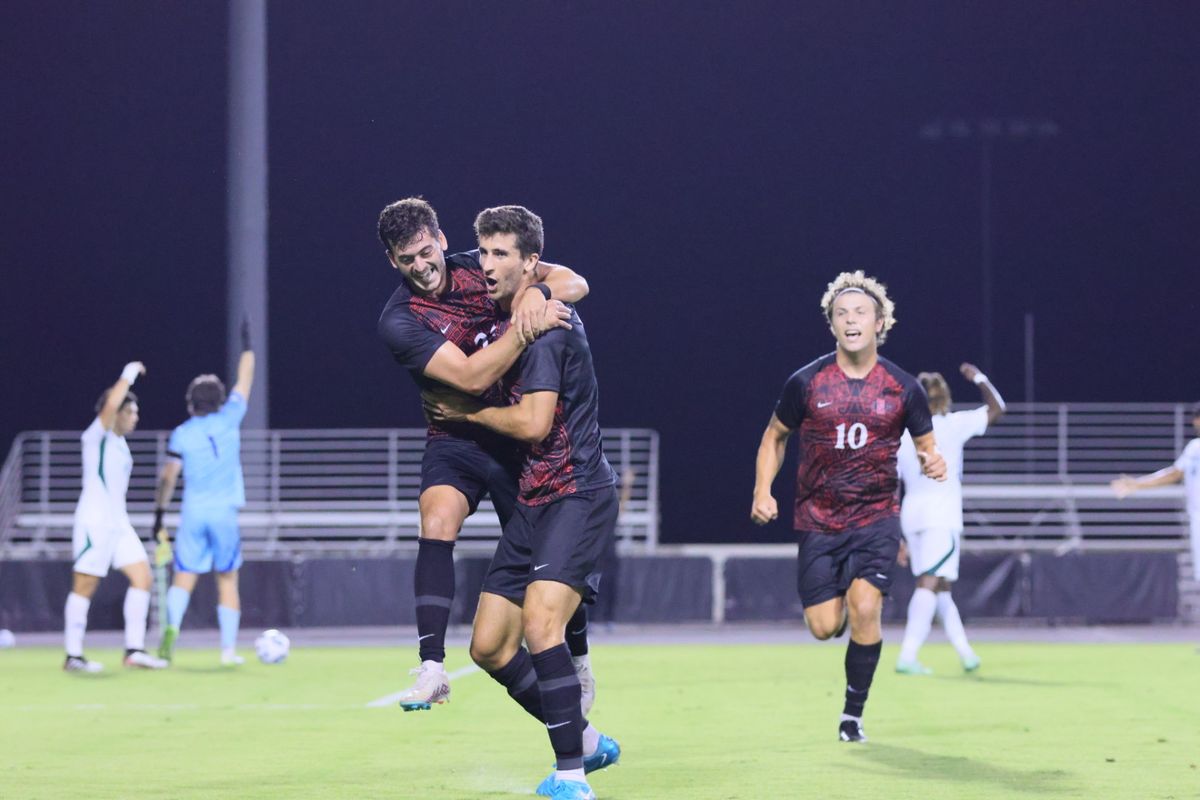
column 856, row 437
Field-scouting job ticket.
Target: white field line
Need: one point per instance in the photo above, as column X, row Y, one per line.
column 392, row 699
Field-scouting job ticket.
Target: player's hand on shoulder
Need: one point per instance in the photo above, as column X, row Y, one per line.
column 932, row 464
column 764, row 510
column 556, row 315
column 529, row 315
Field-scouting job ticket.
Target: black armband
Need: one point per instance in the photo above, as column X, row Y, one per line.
column 543, row 288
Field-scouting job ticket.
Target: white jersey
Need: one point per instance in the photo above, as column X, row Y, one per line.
column 106, row 467
column 930, row 504
column 1189, row 464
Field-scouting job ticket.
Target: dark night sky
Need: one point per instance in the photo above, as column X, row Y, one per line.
column 708, row 166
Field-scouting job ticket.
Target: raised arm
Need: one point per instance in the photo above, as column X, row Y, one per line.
column 475, row 373
column 245, row 369
column 117, row 392
column 771, row 451
column 552, row 283
column 1126, row 485
column 991, row 396
column 527, row 421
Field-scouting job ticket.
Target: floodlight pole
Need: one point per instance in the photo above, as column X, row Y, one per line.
column 246, row 205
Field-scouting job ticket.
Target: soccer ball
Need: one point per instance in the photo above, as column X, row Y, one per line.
column 272, row 647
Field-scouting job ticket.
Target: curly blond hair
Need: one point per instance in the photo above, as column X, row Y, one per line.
column 885, row 309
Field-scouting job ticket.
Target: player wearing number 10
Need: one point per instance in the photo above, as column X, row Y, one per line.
column 850, row 408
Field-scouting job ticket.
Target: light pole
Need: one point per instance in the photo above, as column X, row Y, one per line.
column 987, row 131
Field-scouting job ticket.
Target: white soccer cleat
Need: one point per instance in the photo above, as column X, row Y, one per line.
column 140, row 659
column 432, row 686
column 231, row 659
column 587, row 683
column 81, row 664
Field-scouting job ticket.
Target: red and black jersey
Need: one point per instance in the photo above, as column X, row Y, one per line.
column 414, row 326
column 850, row 431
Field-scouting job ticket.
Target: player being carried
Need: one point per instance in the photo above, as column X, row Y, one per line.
column 207, row 449
column 932, row 520
column 850, row 408
column 545, row 566
column 1186, row 469
column 103, row 536
column 444, row 328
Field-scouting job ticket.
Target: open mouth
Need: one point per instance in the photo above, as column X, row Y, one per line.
column 491, row 282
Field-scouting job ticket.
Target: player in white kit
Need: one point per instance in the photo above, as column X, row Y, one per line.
column 1187, row 469
column 103, row 537
column 932, row 520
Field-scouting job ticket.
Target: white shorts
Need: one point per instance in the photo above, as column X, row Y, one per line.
column 99, row 546
column 934, row 552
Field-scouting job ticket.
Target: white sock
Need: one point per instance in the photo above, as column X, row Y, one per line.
column 920, row 619
column 570, row 775
column 591, row 739
column 75, row 622
column 846, row 716
column 435, row 665
column 137, row 607
column 952, row 622
column 584, row 659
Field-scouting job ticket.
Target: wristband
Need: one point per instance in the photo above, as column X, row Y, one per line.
column 543, row 288
column 131, row 372
column 158, row 519
column 979, row 379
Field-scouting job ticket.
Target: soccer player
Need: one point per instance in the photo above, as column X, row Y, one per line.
column 1187, row 469
column 207, row 449
column 849, row 407
column 545, row 566
column 443, row 327
column 932, row 521
column 103, row 537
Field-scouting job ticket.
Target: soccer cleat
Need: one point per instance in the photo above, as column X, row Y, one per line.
column 587, row 684
column 850, row 730
column 912, row 668
column 608, row 752
column 143, row 660
column 231, row 659
column 971, row 663
column 166, row 647
column 81, row 664
column 432, row 686
column 555, row 789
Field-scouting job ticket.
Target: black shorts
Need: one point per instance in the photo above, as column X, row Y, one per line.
column 561, row 541
column 829, row 562
column 475, row 470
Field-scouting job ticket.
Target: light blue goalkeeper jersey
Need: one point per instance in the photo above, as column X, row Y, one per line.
column 211, row 449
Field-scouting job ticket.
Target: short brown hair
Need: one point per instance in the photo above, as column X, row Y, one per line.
column 205, row 395
column 130, row 397
column 517, row 220
column 402, row 221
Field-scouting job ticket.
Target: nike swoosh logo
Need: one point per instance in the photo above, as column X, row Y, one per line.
column 881, row 577
column 443, row 330
column 557, row 725
column 581, row 630
column 426, row 636
column 540, row 566
column 819, row 405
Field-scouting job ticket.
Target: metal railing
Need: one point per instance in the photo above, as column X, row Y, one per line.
column 345, row 490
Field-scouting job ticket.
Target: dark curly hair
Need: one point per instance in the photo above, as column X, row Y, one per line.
column 130, row 397
column 517, row 220
column 402, row 221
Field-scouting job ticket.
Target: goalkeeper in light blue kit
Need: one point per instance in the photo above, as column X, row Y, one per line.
column 207, row 448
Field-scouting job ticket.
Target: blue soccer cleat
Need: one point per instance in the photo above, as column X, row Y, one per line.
column 565, row 790
column 608, row 752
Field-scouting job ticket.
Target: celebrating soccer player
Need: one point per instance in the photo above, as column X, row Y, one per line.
column 442, row 325
column 545, row 566
column 932, row 520
column 207, row 448
column 850, row 408
column 103, row 537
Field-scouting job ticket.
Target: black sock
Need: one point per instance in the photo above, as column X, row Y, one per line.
column 560, row 690
column 518, row 677
column 861, row 660
column 434, row 584
column 577, row 641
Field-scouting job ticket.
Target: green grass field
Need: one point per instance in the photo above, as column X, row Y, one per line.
column 720, row 722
